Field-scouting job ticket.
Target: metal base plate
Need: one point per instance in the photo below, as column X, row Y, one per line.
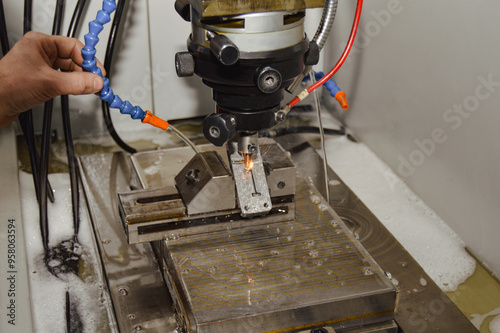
column 278, row 277
column 269, row 274
column 141, row 299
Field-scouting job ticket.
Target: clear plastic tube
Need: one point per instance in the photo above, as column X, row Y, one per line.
column 322, row 135
column 183, row 138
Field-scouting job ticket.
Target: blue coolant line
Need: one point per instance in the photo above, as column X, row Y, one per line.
column 90, row 62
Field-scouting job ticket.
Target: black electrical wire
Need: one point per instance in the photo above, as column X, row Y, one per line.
column 68, row 136
column 275, row 132
column 44, row 171
column 45, row 147
column 28, row 13
column 68, row 312
column 107, row 66
column 4, row 38
column 26, row 121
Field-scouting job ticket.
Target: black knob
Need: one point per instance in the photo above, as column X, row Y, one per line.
column 219, row 128
column 268, row 80
column 224, row 50
column 184, row 64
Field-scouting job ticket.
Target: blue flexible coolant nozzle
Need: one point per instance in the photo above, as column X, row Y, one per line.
column 90, row 63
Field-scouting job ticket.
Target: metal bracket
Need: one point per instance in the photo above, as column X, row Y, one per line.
column 252, row 190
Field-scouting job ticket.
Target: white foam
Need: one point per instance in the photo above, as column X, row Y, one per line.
column 495, row 325
column 478, row 319
column 48, row 293
column 433, row 244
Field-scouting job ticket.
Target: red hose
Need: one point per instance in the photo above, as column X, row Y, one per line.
column 342, row 59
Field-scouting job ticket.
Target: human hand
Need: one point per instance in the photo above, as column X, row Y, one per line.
column 29, row 73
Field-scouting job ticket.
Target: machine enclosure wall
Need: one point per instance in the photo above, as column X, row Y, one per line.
column 415, row 65
column 423, row 83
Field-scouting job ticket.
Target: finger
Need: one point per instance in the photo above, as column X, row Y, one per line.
column 71, row 48
column 67, row 65
column 68, row 48
column 71, row 66
column 77, row 83
column 101, row 67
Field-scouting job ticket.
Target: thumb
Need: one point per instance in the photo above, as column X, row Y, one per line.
column 78, row 83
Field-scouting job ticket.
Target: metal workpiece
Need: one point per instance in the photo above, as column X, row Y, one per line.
column 278, row 276
column 209, row 8
column 206, row 185
column 252, row 191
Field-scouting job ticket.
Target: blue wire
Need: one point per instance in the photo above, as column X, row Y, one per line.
column 90, row 63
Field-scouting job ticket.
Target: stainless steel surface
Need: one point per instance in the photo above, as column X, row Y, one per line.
column 151, row 215
column 252, row 191
column 280, row 170
column 149, row 172
column 147, row 207
column 157, row 210
column 140, row 299
column 278, row 276
column 421, row 308
column 205, row 184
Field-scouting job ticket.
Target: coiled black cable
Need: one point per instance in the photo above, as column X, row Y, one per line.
column 45, row 147
column 107, row 66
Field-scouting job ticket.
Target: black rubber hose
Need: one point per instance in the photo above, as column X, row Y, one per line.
column 28, row 14
column 72, row 165
column 275, row 132
column 45, row 147
column 26, row 121
column 44, row 171
column 58, row 14
column 68, row 312
column 107, row 66
column 4, row 37
column 68, row 136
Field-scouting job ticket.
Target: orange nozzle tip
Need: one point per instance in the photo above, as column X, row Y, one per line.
column 342, row 99
column 155, row 121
